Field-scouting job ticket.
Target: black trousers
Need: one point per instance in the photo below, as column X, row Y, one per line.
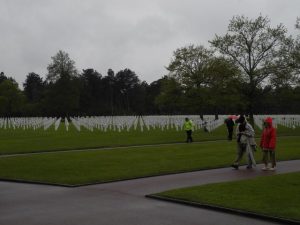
column 189, row 136
column 230, row 132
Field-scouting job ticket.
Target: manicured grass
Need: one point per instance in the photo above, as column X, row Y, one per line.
column 277, row 195
column 286, row 131
column 22, row 141
column 84, row 167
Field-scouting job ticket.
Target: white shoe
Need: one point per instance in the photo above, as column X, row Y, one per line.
column 265, row 168
column 269, row 165
column 272, row 169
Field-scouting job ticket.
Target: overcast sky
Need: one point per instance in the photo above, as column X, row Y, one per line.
column 118, row 34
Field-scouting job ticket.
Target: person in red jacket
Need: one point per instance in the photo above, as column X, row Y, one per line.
column 268, row 144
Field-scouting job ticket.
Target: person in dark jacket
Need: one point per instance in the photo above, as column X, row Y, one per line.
column 268, row 144
column 245, row 142
column 229, row 124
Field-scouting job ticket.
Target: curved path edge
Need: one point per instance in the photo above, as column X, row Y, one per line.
column 226, row 210
column 127, row 179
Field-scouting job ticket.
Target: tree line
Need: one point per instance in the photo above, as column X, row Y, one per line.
column 254, row 68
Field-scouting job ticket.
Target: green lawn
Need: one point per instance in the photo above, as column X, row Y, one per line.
column 20, row 141
column 286, row 131
column 277, row 195
column 85, row 167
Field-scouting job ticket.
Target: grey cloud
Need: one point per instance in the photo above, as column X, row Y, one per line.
column 102, row 34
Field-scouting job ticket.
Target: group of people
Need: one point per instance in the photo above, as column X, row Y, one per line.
column 245, row 137
column 246, row 142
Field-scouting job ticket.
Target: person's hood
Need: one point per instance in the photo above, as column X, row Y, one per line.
column 241, row 119
column 269, row 120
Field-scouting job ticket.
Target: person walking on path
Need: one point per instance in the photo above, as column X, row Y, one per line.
column 245, row 143
column 229, row 124
column 188, row 127
column 268, row 144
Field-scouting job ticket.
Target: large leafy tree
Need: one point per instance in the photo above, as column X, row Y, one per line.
column 61, row 67
column 208, row 83
column 254, row 46
column 189, row 65
column 223, row 90
column 296, row 52
column 170, row 99
column 188, row 77
column 62, row 95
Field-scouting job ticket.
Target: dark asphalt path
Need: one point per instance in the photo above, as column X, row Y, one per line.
column 121, row 203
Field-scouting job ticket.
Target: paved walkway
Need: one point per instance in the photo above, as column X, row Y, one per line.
column 121, row 203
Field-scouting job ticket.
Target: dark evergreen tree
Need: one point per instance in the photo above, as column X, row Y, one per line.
column 33, row 87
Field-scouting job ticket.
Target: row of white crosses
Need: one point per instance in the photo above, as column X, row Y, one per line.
column 162, row 122
column 211, row 123
column 48, row 122
column 105, row 123
column 290, row 121
column 114, row 123
column 23, row 123
column 28, row 123
column 126, row 123
column 169, row 122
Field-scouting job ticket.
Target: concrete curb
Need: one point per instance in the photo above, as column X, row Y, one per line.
column 226, row 210
column 125, row 179
column 35, row 182
column 105, row 182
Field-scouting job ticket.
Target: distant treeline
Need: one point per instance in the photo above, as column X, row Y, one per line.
column 252, row 69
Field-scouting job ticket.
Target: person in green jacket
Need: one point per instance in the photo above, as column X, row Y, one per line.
column 188, row 127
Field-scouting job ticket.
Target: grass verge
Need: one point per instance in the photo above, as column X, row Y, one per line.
column 274, row 196
column 24, row 141
column 78, row 168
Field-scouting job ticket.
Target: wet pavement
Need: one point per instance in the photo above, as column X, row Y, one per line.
column 122, row 203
